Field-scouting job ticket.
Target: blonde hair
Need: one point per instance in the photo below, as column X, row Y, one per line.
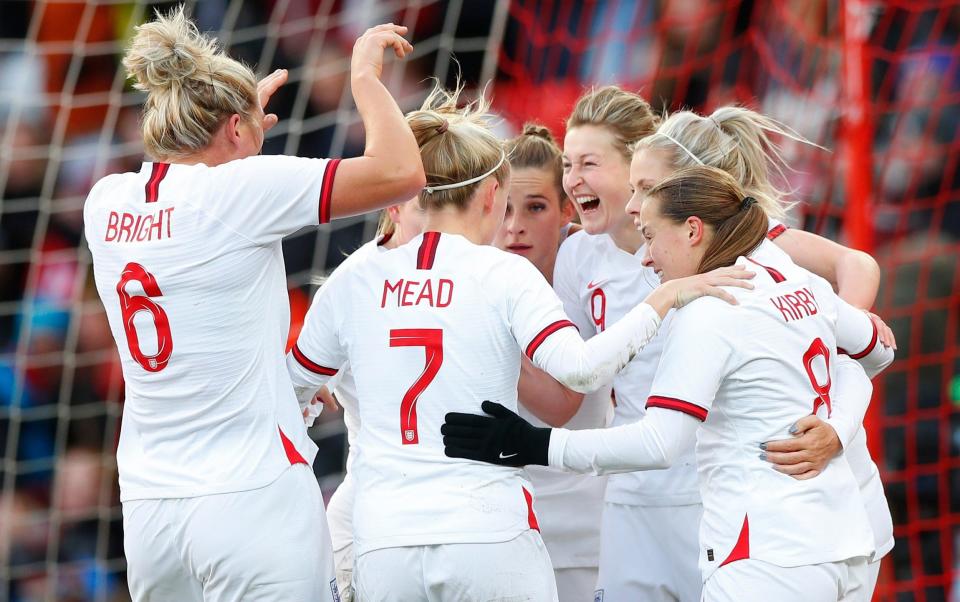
column 192, row 86
column 624, row 114
column 735, row 140
column 738, row 222
column 536, row 148
column 456, row 145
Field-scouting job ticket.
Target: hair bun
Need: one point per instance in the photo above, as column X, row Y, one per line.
column 540, row 131
column 165, row 53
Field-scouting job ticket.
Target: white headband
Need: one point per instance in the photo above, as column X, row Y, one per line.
column 677, row 142
column 432, row 189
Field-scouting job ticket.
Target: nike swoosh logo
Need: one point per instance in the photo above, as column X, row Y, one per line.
column 591, row 285
column 504, row 457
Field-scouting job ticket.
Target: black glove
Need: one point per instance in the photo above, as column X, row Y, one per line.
column 505, row 439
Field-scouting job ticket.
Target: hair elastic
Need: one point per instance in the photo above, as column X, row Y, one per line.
column 747, row 202
column 677, row 142
column 432, row 189
column 443, row 126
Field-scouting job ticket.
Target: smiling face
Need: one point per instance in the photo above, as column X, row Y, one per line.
column 534, row 218
column 672, row 250
column 595, row 176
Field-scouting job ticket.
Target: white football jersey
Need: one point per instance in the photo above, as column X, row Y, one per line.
column 749, row 372
column 188, row 265
column 436, row 326
column 605, row 282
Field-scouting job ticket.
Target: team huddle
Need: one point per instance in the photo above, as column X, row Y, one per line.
column 604, row 372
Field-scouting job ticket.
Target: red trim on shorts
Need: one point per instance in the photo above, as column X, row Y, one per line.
column 326, row 189
column 741, row 550
column 428, row 250
column 776, row 231
column 777, row 276
column 309, row 364
column 292, row 454
column 670, row 403
column 152, row 188
column 870, row 345
column 531, row 515
column 542, row 336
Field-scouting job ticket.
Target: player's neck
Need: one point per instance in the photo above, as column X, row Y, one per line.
column 451, row 221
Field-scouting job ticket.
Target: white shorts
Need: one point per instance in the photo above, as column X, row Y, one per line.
column 650, row 553
column 576, row 584
column 757, row 581
column 264, row 544
column 518, row 569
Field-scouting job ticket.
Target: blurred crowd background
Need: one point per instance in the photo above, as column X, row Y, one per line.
column 67, row 117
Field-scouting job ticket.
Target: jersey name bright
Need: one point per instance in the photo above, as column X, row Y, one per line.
column 407, row 293
column 796, row 305
column 125, row 227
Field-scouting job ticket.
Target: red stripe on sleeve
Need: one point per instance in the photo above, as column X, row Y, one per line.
column 870, row 345
column 326, row 189
column 655, row 401
column 776, row 231
column 777, row 276
column 152, row 188
column 309, row 364
column 428, row 250
column 542, row 336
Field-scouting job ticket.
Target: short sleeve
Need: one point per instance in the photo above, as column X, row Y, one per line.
column 534, row 311
column 318, row 354
column 695, row 339
column 565, row 283
column 267, row 197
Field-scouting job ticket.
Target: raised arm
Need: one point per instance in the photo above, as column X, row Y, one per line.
column 390, row 170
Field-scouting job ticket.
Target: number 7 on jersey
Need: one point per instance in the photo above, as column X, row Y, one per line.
column 431, row 339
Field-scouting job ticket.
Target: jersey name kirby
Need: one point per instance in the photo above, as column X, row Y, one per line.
column 407, row 293
column 126, row 227
column 796, row 305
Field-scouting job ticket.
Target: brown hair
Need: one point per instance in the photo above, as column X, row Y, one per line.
column 624, row 114
column 734, row 139
column 739, row 224
column 192, row 86
column 536, row 148
column 456, row 144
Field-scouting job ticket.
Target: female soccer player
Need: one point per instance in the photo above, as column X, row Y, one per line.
column 219, row 501
column 569, row 506
column 599, row 275
column 735, row 140
column 439, row 324
column 729, row 377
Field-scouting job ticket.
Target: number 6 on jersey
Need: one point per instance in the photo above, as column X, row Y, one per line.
column 431, row 339
column 130, row 305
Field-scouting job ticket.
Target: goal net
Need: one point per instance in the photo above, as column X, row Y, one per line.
column 876, row 83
